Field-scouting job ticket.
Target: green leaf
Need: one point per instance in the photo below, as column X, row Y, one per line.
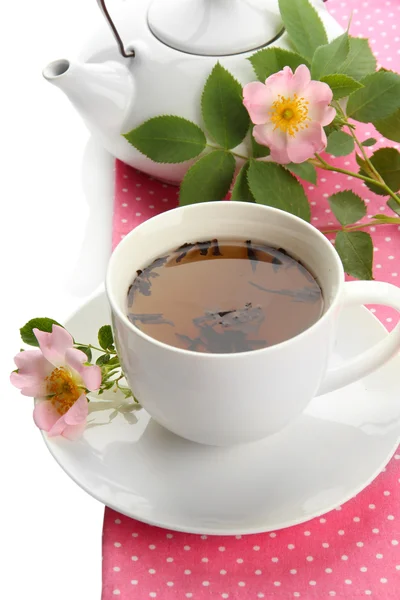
column 168, row 139
column 268, row 61
column 113, row 361
column 105, row 335
column 208, row 179
column 387, row 162
column 103, row 360
column 327, row 58
column 86, row 350
column 340, row 144
column 224, row 114
column 356, row 251
column 241, row 190
column 386, row 219
column 362, row 163
column 109, row 366
column 336, row 125
column 378, row 99
column 341, row 85
column 347, row 207
column 303, row 170
column 259, row 151
column 303, row 25
column 127, row 392
column 41, row 323
column 107, row 374
column 273, row 185
column 390, row 126
column 107, row 385
column 393, row 205
column 360, row 60
column 369, row 142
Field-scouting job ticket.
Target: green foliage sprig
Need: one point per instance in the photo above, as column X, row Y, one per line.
column 112, row 376
column 360, row 93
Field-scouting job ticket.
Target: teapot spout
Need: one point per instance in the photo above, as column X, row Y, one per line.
column 101, row 92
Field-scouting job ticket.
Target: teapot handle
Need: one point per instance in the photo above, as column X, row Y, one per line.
column 126, row 54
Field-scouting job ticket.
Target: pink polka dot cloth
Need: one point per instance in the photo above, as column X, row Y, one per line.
column 351, row 552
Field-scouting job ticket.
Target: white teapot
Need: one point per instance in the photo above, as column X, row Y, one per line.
column 158, row 60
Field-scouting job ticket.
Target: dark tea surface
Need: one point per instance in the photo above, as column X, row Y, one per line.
column 224, row 296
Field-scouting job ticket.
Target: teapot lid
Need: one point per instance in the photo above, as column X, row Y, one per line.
column 215, row 27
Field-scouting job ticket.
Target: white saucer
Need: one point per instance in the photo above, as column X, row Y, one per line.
column 318, row 462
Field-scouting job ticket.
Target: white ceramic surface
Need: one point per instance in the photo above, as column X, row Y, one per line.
column 164, row 80
column 319, row 461
column 278, row 381
column 215, row 27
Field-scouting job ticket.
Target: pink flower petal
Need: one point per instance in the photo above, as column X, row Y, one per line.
column 261, row 134
column 306, row 143
column 301, row 79
column 281, row 84
column 58, row 427
column 78, row 412
column 72, row 424
column 257, row 99
column 327, row 116
column 73, row 432
column 20, row 381
column 33, row 369
column 54, row 345
column 75, row 358
column 275, row 139
column 318, row 91
column 285, row 88
column 35, row 391
column 29, row 385
column 32, row 362
column 321, row 112
column 45, row 415
column 91, row 375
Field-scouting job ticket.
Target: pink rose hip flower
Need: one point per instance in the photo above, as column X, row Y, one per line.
column 289, row 112
column 56, row 375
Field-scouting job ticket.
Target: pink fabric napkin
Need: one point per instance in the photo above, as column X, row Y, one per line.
column 351, row 552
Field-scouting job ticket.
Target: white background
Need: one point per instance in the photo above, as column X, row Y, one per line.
column 56, row 192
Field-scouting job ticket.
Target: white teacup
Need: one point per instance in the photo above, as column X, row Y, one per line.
column 224, row 399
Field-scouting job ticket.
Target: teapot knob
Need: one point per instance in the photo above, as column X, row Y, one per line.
column 130, row 53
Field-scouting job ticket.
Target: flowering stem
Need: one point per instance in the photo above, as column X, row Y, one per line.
column 94, row 348
column 350, row 127
column 322, row 164
column 361, row 226
column 376, row 178
column 365, row 156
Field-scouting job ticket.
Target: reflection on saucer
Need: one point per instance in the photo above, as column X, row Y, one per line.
column 325, row 457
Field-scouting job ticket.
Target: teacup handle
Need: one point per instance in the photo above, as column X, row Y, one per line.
column 366, row 292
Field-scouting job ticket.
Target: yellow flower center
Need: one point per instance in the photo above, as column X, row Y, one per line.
column 290, row 114
column 63, row 390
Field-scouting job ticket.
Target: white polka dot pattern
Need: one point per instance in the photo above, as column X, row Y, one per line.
column 352, row 552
